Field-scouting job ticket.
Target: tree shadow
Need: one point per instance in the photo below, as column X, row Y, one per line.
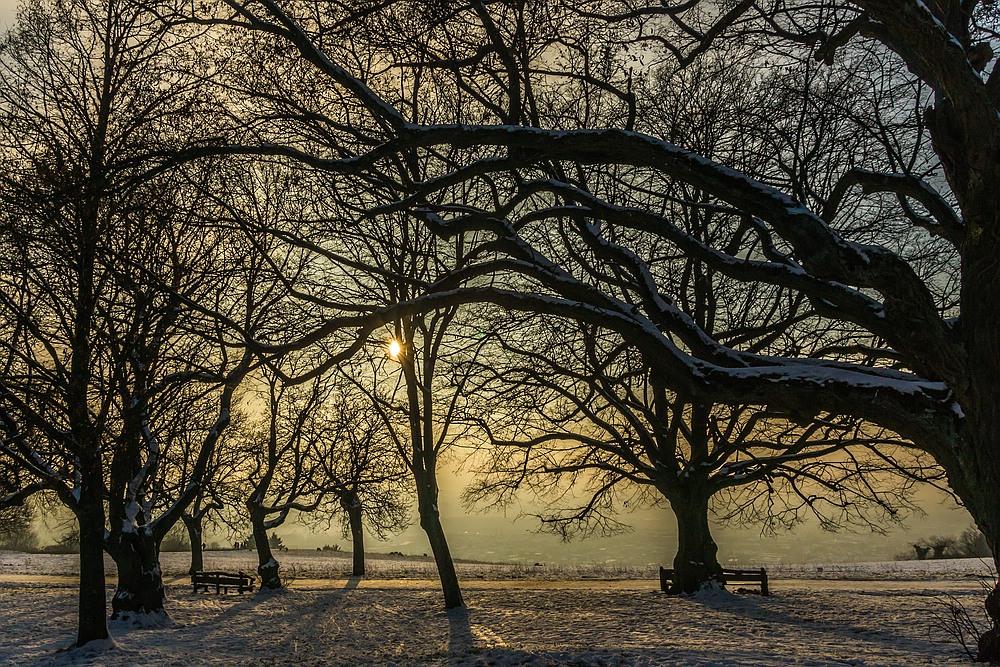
column 244, row 603
column 766, row 610
column 460, row 637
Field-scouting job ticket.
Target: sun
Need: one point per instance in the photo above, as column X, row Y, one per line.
column 394, row 348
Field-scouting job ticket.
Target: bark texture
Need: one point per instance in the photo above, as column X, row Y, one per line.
column 267, row 566
column 352, row 505
column 140, row 589
column 430, row 521
column 696, row 562
column 92, row 623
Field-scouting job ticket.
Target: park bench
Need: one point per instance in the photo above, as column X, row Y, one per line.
column 222, row 581
column 758, row 577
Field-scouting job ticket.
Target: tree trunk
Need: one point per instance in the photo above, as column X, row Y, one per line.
column 989, row 642
column 983, row 503
column 696, row 563
column 353, row 508
column 140, row 595
column 92, row 623
column 193, row 525
column 430, row 521
column 267, row 566
column 975, row 475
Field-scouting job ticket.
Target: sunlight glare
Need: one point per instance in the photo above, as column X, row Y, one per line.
column 394, row 348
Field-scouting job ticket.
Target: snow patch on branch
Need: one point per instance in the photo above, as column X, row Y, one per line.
column 825, row 377
column 922, row 6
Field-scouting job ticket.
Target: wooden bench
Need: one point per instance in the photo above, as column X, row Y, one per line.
column 222, row 581
column 758, row 577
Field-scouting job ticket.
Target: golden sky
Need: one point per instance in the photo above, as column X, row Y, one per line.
column 7, row 9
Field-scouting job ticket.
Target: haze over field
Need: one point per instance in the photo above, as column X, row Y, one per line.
column 497, row 537
column 492, row 536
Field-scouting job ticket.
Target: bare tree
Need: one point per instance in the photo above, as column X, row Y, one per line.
column 589, row 429
column 181, row 426
column 282, row 466
column 419, row 411
column 934, row 382
column 369, row 482
column 161, row 368
column 84, row 107
column 15, row 511
column 215, row 495
column 319, row 453
column 409, row 378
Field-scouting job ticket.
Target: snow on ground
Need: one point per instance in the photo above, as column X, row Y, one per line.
column 903, row 570
column 306, row 564
column 537, row 622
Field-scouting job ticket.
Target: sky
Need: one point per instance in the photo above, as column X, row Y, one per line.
column 7, row 9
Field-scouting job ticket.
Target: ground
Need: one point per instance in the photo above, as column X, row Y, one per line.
column 526, row 621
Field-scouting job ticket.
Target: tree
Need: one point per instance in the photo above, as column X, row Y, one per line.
column 107, row 284
column 214, row 496
column 16, row 531
column 407, row 369
column 933, row 379
column 62, row 147
column 162, row 371
column 180, row 427
column 591, row 431
column 15, row 512
column 418, row 406
column 276, row 543
column 369, row 482
column 282, row 470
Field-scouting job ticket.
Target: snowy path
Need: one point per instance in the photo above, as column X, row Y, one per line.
column 537, row 623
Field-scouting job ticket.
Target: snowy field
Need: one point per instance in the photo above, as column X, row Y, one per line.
column 858, row 614
column 305, row 564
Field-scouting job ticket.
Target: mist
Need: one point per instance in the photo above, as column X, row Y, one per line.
column 498, row 537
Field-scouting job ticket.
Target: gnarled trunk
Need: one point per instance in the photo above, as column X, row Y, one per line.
column 140, row 593
column 696, row 562
column 193, row 525
column 92, row 623
column 267, row 566
column 352, row 505
column 983, row 502
column 975, row 475
column 430, row 521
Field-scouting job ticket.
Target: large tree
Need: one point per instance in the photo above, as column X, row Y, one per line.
column 157, row 371
column 572, row 414
column 61, row 94
column 104, row 270
column 934, row 342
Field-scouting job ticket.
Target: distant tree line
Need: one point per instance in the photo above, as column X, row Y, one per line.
column 970, row 544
